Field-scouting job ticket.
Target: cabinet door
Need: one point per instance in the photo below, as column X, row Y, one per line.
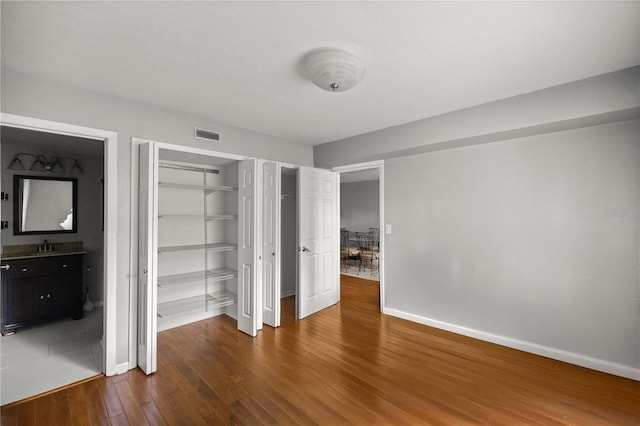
column 64, row 286
column 58, row 296
column 25, row 299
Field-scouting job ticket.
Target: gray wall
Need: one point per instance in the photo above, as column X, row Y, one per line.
column 288, row 241
column 514, row 238
column 360, row 205
column 89, row 212
column 530, row 239
column 583, row 103
column 34, row 97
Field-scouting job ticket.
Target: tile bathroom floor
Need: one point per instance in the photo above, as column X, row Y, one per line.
column 47, row 356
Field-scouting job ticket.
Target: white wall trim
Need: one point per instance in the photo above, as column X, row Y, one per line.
column 287, row 294
column 359, row 166
column 378, row 164
column 123, row 367
column 200, row 151
column 286, row 165
column 133, row 255
column 110, row 181
column 534, row 348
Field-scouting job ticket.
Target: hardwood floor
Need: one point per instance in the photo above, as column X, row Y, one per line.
column 346, row 364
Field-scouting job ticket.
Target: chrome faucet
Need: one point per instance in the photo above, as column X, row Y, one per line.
column 45, row 247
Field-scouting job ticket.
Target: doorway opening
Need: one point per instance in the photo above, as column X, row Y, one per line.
column 288, row 243
column 360, row 224
column 362, row 227
column 45, row 348
column 196, row 242
column 312, row 249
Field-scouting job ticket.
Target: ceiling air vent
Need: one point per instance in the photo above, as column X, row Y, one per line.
column 206, row 135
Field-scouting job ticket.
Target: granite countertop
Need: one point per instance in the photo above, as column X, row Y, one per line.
column 40, row 254
column 30, row 251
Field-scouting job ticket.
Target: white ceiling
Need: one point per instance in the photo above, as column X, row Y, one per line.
column 238, row 62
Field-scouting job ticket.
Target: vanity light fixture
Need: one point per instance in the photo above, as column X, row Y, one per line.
column 332, row 69
column 76, row 169
column 44, row 164
column 16, row 164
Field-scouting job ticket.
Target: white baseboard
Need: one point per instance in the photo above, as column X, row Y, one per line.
column 122, row 368
column 534, row 348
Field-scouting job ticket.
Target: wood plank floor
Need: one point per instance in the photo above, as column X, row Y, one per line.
column 347, row 364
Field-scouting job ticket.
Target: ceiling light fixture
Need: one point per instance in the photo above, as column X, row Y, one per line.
column 332, row 69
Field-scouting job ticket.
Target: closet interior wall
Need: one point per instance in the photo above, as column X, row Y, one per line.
column 197, row 232
column 288, row 229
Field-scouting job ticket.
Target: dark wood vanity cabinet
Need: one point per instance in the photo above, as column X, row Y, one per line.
column 41, row 289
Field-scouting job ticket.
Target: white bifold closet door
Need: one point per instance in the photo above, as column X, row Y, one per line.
column 247, row 253
column 271, row 252
column 247, row 300
column 147, row 258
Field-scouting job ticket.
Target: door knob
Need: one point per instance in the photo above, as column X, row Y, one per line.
column 41, row 297
column 305, row 249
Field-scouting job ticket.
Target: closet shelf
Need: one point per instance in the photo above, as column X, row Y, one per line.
column 220, row 299
column 210, row 188
column 219, row 274
column 192, row 247
column 221, row 217
column 222, row 274
column 199, row 216
column 182, row 306
column 198, row 303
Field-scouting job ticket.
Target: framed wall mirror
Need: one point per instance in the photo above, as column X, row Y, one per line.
column 44, row 205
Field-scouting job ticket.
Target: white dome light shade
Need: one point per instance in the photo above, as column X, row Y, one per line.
column 332, row 69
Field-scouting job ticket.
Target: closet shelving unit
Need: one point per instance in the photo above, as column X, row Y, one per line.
column 209, row 285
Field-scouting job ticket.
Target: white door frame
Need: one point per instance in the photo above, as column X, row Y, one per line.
column 278, row 285
column 133, row 257
column 368, row 166
column 110, row 199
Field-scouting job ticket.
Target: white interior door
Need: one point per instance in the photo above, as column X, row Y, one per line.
column 247, row 262
column 271, row 243
column 318, row 240
column 147, row 291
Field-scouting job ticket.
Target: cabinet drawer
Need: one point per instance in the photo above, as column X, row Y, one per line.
column 23, row 268
column 63, row 264
column 29, row 267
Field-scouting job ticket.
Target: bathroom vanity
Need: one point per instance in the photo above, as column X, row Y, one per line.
column 40, row 286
